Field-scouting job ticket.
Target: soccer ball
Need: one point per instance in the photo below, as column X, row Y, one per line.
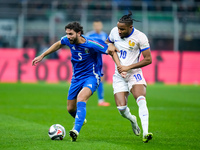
column 56, row 132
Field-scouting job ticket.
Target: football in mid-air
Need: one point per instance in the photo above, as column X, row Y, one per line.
column 56, row 132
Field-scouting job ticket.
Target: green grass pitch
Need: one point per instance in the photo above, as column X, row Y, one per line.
column 28, row 110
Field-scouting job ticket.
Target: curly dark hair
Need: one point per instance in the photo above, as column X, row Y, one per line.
column 74, row 26
column 127, row 19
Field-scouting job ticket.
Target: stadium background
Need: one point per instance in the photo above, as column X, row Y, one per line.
column 171, row 26
column 30, row 27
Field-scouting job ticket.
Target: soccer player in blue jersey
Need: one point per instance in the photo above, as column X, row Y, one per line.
column 87, row 66
column 99, row 34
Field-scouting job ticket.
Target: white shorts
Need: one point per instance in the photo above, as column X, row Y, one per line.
column 121, row 84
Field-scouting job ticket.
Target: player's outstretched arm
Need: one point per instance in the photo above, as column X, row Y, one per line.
column 52, row 49
column 116, row 58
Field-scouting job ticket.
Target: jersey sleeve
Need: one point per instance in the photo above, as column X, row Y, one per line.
column 111, row 35
column 144, row 42
column 98, row 45
column 64, row 40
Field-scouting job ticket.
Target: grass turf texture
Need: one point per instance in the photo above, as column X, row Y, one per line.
column 28, row 110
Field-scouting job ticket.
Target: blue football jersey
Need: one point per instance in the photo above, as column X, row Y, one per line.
column 86, row 58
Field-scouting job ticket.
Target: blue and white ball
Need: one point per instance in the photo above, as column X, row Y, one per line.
column 57, row 132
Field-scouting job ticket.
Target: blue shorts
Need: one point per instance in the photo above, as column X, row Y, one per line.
column 76, row 86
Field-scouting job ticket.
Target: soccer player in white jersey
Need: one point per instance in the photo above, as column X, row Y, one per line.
column 128, row 77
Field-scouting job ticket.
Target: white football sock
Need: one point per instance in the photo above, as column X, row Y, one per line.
column 143, row 113
column 125, row 112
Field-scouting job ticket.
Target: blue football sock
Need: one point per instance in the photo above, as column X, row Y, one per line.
column 73, row 114
column 100, row 91
column 80, row 116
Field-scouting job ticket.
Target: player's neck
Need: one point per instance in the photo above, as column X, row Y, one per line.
column 130, row 31
column 98, row 32
column 81, row 40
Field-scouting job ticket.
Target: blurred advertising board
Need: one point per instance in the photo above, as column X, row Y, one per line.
column 167, row 67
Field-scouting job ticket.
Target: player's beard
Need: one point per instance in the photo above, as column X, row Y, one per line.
column 73, row 41
column 123, row 35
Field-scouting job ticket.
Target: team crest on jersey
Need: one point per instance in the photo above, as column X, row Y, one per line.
column 131, row 44
column 87, row 51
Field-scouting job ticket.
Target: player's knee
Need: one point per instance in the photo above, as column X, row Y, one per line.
column 71, row 109
column 81, row 100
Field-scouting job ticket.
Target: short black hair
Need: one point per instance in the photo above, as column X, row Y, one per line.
column 74, row 26
column 127, row 19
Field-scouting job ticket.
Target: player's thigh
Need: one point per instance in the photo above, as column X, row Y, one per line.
column 71, row 105
column 119, row 84
column 138, row 90
column 121, row 98
column 84, row 95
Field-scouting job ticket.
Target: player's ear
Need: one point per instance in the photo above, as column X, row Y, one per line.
column 79, row 33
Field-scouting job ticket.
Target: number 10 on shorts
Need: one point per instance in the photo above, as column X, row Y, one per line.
column 138, row 77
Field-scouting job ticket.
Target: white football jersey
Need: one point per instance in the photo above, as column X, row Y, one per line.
column 130, row 47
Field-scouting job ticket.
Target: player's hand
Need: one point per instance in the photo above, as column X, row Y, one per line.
column 122, row 69
column 123, row 74
column 111, row 49
column 37, row 60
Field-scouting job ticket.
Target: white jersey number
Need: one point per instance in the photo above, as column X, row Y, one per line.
column 80, row 57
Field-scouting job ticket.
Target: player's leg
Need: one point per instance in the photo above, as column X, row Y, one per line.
column 121, row 93
column 121, row 102
column 89, row 86
column 139, row 93
column 72, row 101
column 82, row 98
column 100, row 94
column 72, row 109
